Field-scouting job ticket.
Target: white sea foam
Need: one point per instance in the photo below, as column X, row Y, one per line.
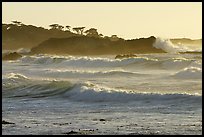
column 86, row 92
column 23, row 51
column 83, row 61
column 168, row 46
column 90, row 92
column 14, row 76
column 111, row 64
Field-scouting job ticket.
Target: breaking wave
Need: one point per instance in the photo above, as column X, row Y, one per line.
column 189, row 73
column 94, row 62
column 168, row 46
column 23, row 51
column 85, row 92
column 85, row 73
column 83, row 61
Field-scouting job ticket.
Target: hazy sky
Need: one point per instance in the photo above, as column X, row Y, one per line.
column 125, row 19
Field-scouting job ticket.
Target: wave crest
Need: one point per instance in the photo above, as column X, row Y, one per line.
column 189, row 73
column 168, row 46
column 14, row 76
column 96, row 62
column 87, row 92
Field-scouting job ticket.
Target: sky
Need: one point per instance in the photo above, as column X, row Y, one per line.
column 127, row 20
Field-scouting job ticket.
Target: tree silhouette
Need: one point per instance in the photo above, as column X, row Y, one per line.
column 60, row 27
column 76, row 29
column 54, row 26
column 92, row 32
column 68, row 27
column 18, row 23
column 114, row 38
column 79, row 30
column 101, row 35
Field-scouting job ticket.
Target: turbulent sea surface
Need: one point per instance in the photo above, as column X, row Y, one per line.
column 148, row 94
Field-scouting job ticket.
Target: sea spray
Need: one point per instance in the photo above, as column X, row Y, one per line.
column 168, row 46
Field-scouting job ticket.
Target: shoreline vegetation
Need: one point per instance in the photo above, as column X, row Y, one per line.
column 65, row 40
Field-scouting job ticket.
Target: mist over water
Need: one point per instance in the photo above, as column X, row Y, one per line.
column 169, row 47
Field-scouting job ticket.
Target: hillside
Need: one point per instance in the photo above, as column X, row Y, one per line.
column 28, row 36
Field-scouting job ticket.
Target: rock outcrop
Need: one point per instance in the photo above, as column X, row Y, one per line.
column 11, row 56
column 125, row 56
column 83, row 45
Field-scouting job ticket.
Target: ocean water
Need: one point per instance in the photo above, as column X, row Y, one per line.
column 148, row 94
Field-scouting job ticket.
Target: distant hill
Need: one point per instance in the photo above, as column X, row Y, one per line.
column 28, row 36
column 84, row 45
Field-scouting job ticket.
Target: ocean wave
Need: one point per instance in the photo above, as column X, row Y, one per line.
column 96, row 62
column 13, row 79
column 90, row 92
column 41, row 59
column 34, row 88
column 167, row 64
column 14, row 76
column 177, row 63
column 77, row 73
column 23, row 51
column 87, row 92
column 82, row 61
column 189, row 73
